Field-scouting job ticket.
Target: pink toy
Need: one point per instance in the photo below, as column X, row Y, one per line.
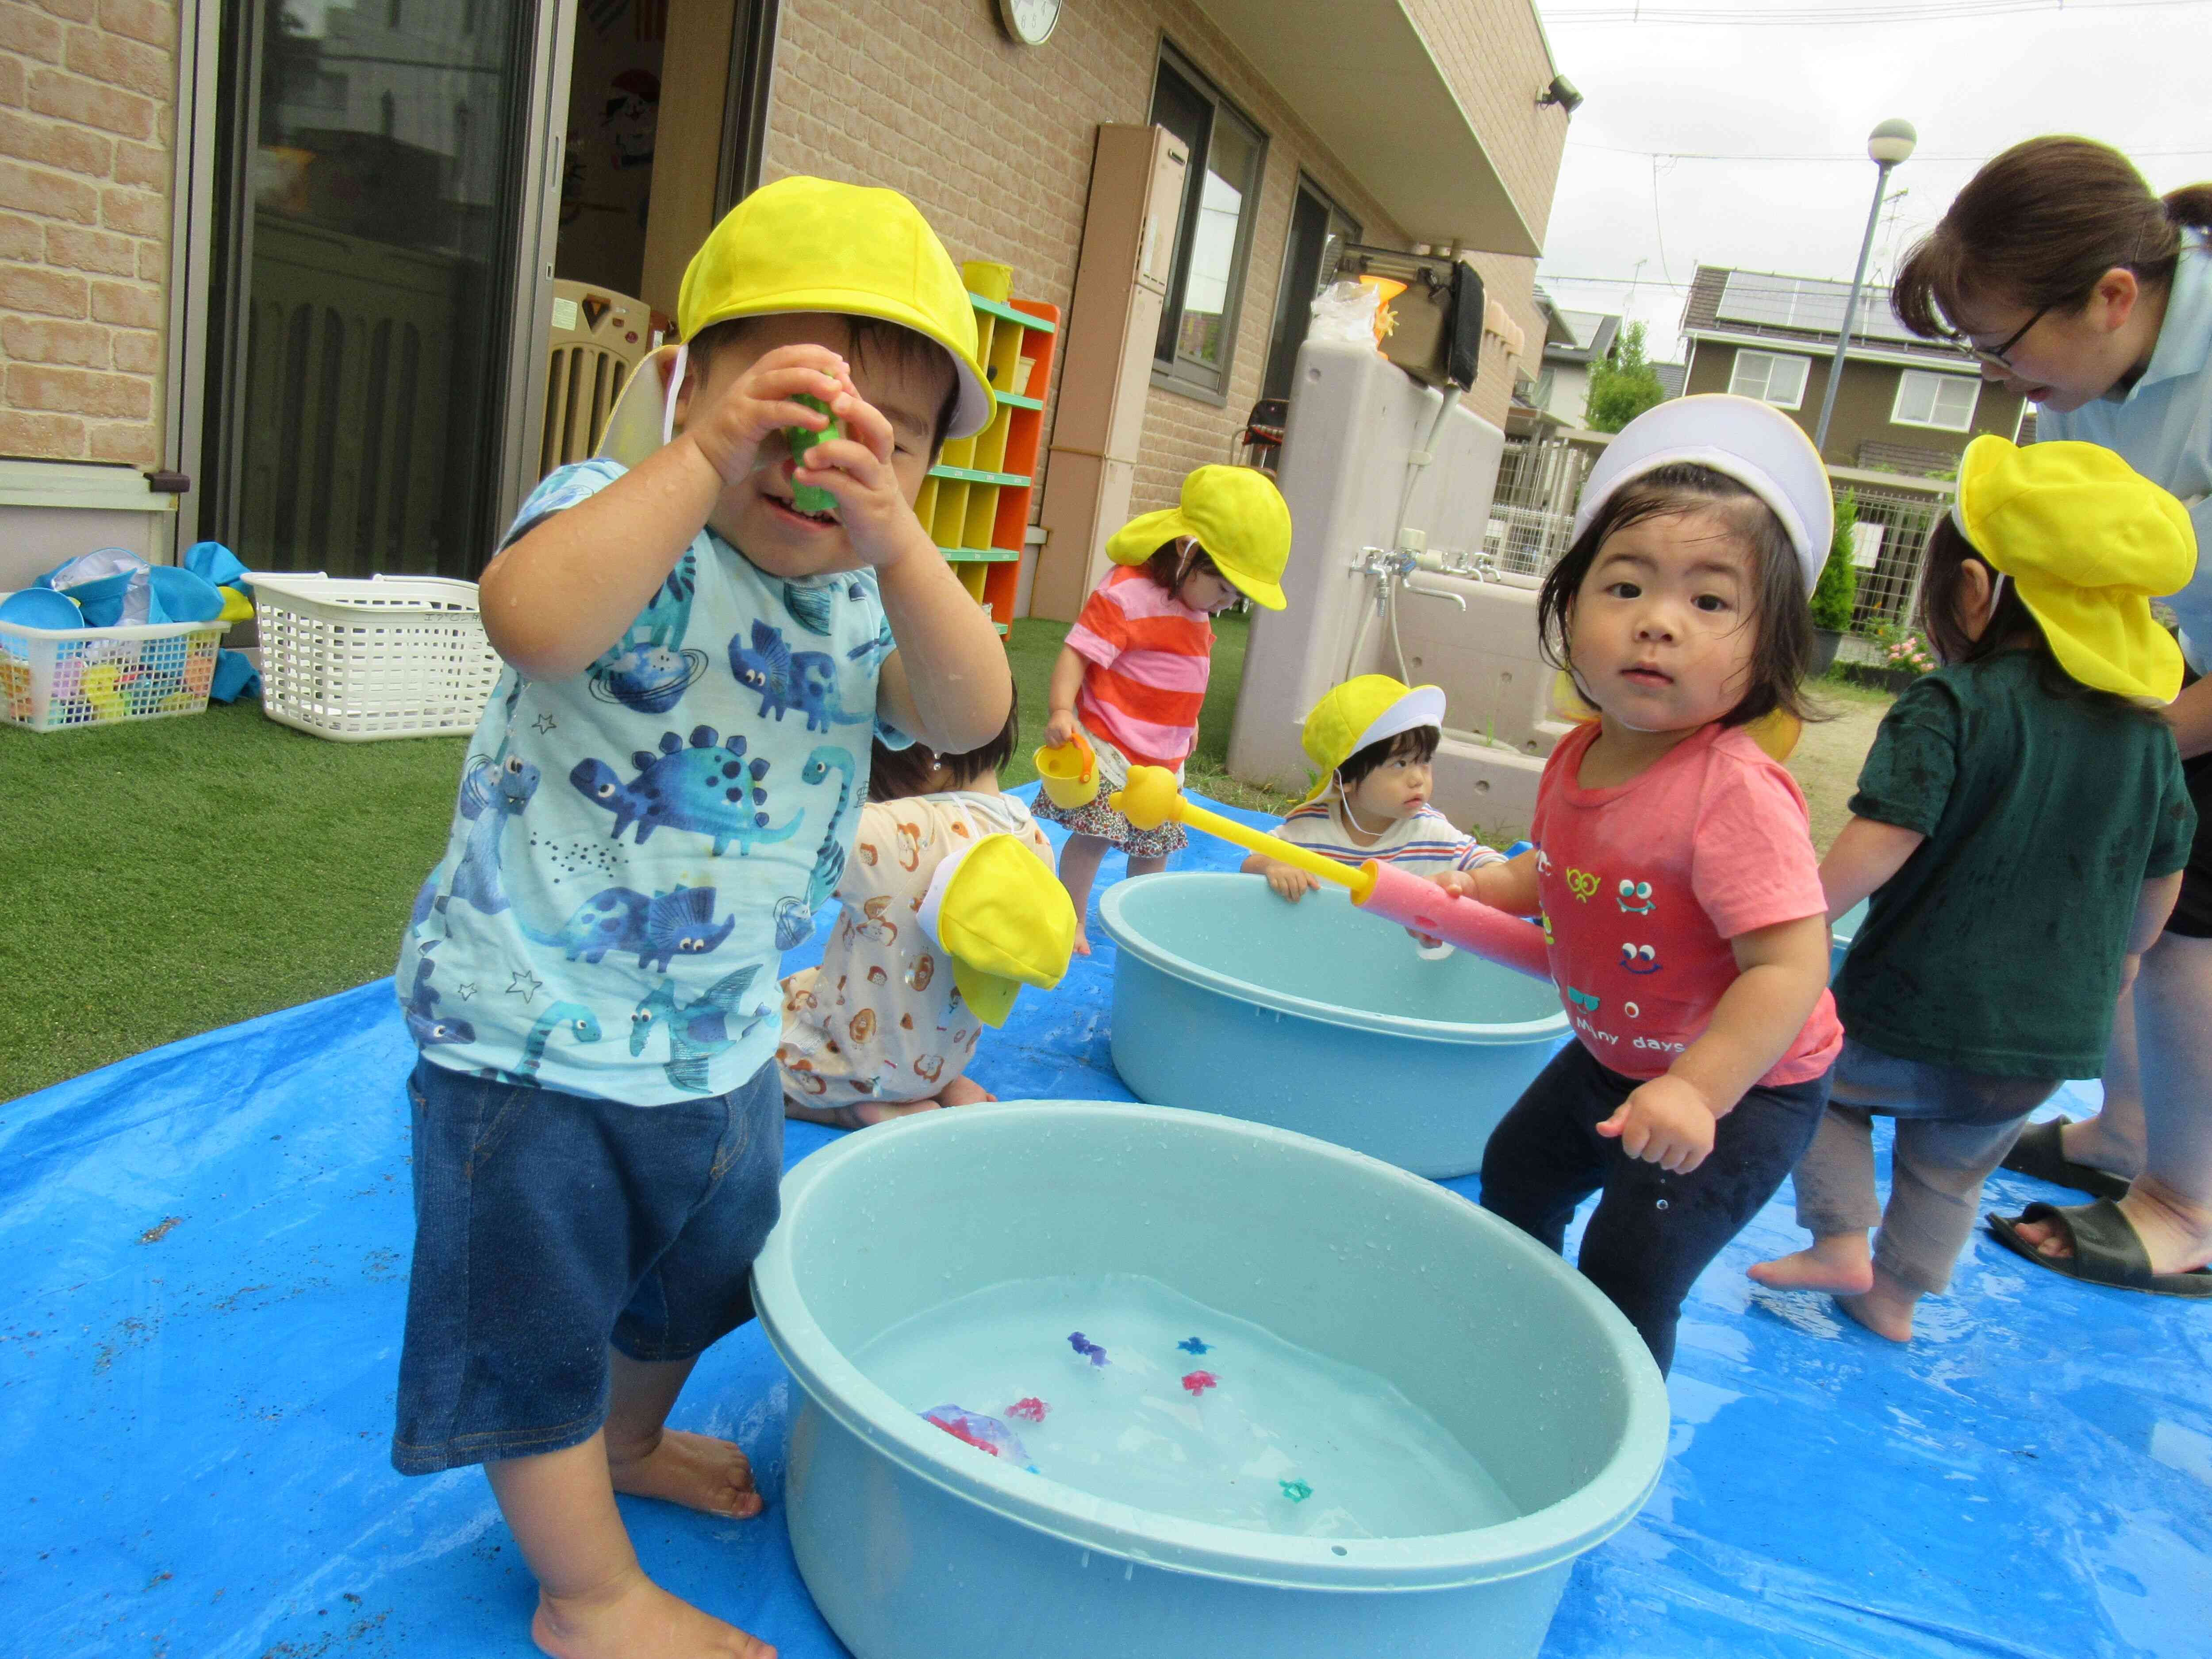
column 1199, row 1382
column 1028, row 1410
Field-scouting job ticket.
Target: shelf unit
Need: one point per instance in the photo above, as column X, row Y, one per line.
column 976, row 500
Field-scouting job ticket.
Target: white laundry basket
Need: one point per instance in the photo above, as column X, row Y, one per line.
column 387, row 657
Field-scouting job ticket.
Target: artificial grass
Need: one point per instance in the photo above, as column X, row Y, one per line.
column 169, row 877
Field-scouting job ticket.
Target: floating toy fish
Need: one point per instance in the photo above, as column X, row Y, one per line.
column 1028, row 1409
column 812, row 498
column 1297, row 1491
column 985, row 1433
column 1192, row 1344
column 1084, row 1346
column 1197, row 1382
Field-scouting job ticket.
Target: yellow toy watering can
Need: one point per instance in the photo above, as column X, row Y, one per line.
column 1069, row 772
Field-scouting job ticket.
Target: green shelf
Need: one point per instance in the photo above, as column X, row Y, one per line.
column 981, row 554
column 969, row 474
column 1017, row 400
column 1013, row 316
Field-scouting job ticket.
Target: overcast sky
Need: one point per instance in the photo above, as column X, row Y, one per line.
column 2133, row 76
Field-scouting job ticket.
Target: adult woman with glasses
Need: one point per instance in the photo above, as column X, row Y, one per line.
column 2083, row 291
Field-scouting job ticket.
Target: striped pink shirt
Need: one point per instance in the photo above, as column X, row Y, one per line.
column 1150, row 654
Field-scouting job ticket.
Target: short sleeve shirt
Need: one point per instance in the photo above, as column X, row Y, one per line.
column 2161, row 426
column 1150, row 655
column 1644, row 884
column 1426, row 844
column 632, row 848
column 1998, row 946
column 881, row 1018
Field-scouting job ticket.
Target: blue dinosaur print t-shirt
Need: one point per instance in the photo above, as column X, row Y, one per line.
column 632, row 848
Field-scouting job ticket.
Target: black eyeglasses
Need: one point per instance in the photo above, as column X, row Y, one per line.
column 2001, row 355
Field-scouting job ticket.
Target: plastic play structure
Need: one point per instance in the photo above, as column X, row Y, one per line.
column 1390, row 485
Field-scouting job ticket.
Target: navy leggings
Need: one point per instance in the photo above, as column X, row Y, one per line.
column 1653, row 1233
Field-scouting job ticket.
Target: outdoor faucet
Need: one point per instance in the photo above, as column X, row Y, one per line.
column 1436, row 593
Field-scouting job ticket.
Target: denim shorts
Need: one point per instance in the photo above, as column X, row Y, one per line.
column 548, row 1227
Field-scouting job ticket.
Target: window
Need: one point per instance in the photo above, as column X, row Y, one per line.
column 1314, row 219
column 1771, row 378
column 1213, row 239
column 1945, row 402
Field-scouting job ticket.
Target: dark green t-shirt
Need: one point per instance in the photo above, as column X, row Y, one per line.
column 1997, row 947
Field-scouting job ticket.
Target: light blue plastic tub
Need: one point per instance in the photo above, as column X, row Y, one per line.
column 916, row 1546
column 1316, row 1018
column 1840, row 936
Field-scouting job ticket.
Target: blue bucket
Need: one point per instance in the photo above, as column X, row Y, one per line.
column 915, row 1546
column 1317, row 1017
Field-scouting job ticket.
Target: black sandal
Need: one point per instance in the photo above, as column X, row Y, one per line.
column 2040, row 1152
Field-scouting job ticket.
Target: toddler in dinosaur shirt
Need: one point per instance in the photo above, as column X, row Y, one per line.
column 665, row 786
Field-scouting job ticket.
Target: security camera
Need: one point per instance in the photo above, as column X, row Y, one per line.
column 1561, row 92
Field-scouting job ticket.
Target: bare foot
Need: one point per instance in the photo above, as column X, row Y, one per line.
column 1083, row 941
column 637, row 1620
column 1885, row 1309
column 961, row 1092
column 696, row 1470
column 2177, row 1237
column 1840, row 1264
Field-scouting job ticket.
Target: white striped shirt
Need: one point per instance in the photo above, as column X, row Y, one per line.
column 1425, row 844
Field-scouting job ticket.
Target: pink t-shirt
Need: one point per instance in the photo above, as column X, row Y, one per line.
column 1643, row 885
column 1149, row 656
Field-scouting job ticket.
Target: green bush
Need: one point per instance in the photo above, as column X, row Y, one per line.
column 1839, row 587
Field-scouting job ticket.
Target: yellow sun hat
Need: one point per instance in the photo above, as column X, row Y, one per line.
column 998, row 910
column 1365, row 709
column 2089, row 542
column 1237, row 516
column 804, row 244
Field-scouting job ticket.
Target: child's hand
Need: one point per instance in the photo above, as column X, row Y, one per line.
column 1458, row 882
column 1666, row 1122
column 1292, row 883
column 730, row 431
column 856, row 470
column 1059, row 728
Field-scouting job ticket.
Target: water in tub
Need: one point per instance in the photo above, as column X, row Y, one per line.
column 1123, row 1388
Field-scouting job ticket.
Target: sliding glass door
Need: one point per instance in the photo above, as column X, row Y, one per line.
column 382, row 186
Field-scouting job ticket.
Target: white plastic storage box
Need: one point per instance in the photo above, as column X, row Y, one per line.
column 52, row 679
column 387, row 657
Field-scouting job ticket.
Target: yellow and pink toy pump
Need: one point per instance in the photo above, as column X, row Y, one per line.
column 1152, row 799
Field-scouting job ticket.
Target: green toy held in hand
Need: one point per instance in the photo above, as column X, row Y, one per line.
column 811, row 498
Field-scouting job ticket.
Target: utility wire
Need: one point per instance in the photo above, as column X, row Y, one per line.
column 1859, row 158
column 1857, row 16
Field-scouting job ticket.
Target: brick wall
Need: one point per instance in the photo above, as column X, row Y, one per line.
column 887, row 96
column 86, row 106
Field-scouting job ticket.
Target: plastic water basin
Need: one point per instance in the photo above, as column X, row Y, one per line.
column 1317, row 1017
column 915, row 1546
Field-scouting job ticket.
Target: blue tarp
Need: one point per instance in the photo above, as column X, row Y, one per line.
column 207, row 1252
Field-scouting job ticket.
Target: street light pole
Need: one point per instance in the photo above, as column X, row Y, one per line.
column 1887, row 145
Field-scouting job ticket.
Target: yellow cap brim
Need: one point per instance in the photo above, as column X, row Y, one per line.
column 2108, row 646
column 975, row 406
column 989, row 996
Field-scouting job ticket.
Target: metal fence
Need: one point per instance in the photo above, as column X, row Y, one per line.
column 1539, row 481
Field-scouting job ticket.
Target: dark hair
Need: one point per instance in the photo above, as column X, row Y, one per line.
column 867, row 336
column 1169, row 567
column 1782, row 650
column 2040, row 226
column 1418, row 745
column 895, row 774
column 2012, row 626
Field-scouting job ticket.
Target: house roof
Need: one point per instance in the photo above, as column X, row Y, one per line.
column 1727, row 303
column 1594, row 333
